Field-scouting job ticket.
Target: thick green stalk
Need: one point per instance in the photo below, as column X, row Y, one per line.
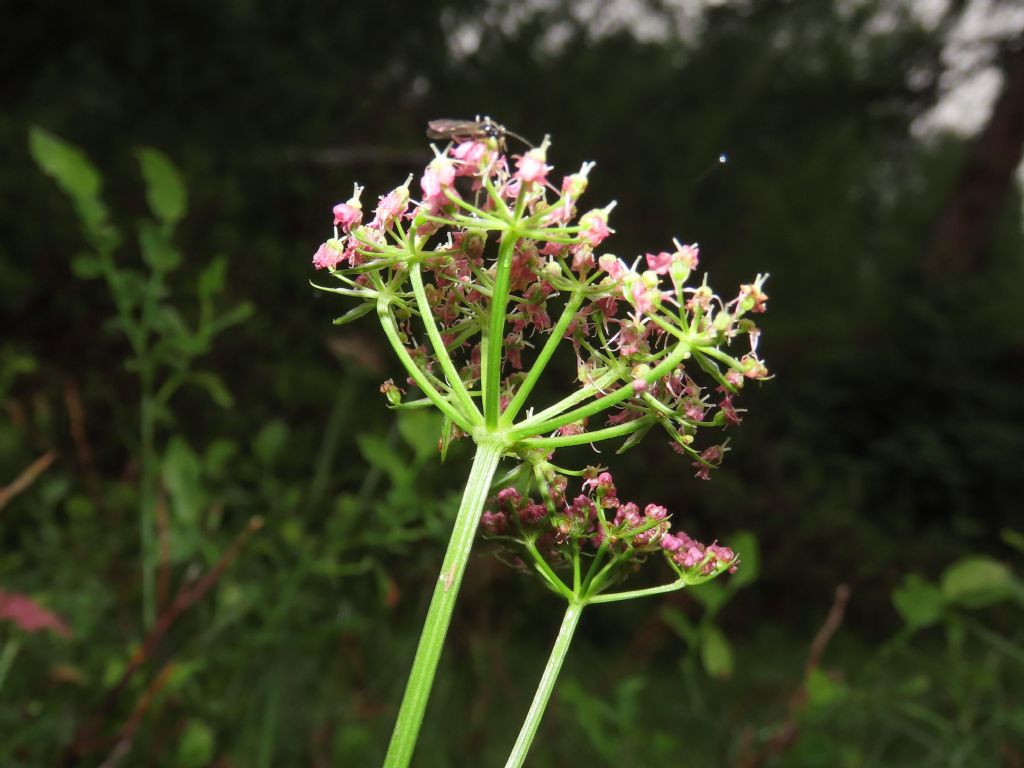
column 546, row 685
column 428, row 653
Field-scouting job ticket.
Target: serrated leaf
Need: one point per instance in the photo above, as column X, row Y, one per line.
column 157, row 251
column 918, row 602
column 977, row 582
column 356, row 313
column 715, row 652
column 165, row 190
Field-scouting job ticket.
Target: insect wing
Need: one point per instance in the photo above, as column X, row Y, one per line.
column 455, row 129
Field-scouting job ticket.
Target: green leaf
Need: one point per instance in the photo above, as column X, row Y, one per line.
column 196, row 745
column 269, row 441
column 715, row 652
column 744, row 544
column 77, row 178
column 214, row 386
column 977, row 582
column 218, row 455
column 377, row 452
column 212, row 279
column 447, row 430
column 86, row 266
column 356, row 313
column 712, row 595
column 918, row 602
column 634, row 438
column 237, row 314
column 822, row 690
column 681, row 625
column 165, row 190
column 420, row 429
column 181, row 476
column 157, row 250
column 1013, row 538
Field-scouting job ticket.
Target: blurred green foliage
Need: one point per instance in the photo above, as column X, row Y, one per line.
column 886, row 456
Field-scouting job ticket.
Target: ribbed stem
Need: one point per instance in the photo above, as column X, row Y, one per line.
column 428, row 653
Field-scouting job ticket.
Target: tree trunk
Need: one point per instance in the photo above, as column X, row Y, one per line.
column 965, row 228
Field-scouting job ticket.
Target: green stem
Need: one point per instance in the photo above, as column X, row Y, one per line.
column 612, row 597
column 595, row 436
column 555, row 337
column 387, row 322
column 616, row 396
column 580, row 395
column 440, row 351
column 147, row 502
column 547, row 684
column 428, row 653
column 495, row 338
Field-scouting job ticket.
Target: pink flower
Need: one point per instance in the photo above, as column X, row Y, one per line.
column 595, row 227
column 671, row 543
column 574, row 186
column 472, row 156
column 613, row 266
column 328, row 255
column 392, row 206
column 437, row 179
column 533, row 513
column 655, row 512
column 29, row 616
column 659, row 262
column 531, row 168
column 493, row 522
column 582, row 259
column 349, row 214
column 508, row 497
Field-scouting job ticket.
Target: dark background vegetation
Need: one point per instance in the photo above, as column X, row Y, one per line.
column 890, row 442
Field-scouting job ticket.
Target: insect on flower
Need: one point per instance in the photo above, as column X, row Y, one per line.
column 469, row 130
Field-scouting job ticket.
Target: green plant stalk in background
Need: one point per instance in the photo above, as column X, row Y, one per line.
column 162, row 346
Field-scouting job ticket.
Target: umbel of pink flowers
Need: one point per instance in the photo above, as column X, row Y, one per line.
column 492, row 249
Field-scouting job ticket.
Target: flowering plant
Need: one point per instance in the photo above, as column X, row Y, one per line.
column 464, row 282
